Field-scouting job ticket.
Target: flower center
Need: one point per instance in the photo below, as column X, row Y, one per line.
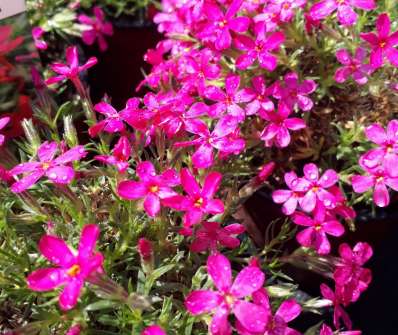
column 154, row 189
column 382, row 44
column 74, row 270
column 379, row 179
column 229, row 299
column 318, row 227
column 199, row 202
column 222, row 24
column 46, row 166
column 286, row 5
column 389, row 148
column 315, row 189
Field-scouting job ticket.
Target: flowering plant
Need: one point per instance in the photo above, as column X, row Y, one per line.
column 243, row 95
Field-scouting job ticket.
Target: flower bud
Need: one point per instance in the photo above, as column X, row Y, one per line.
column 74, row 330
column 145, row 249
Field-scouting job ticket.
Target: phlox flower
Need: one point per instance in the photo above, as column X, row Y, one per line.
column 57, row 170
column 386, row 152
column 120, row 155
column 277, row 131
column 318, row 227
column 340, row 209
column 350, row 276
column 72, row 269
column 220, row 24
column 382, row 45
column 275, row 324
column 37, row 34
column 152, row 187
column 114, row 120
column 211, row 234
column 198, row 201
column 261, row 101
column 353, row 66
column 293, row 93
column 326, row 330
column 97, row 28
column 228, row 101
column 378, row 179
column 259, row 49
column 345, row 12
column 229, row 297
column 335, row 300
column 70, row 70
column 269, row 20
column 7, row 44
column 207, row 141
column 153, row 330
column 74, row 330
column 3, row 123
column 287, row 8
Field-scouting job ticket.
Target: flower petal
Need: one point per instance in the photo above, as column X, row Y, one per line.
column 288, row 310
column 202, row 301
column 56, row 251
column 219, row 269
column 70, row 294
column 252, row 317
column 131, row 190
column 88, row 239
column 152, row 204
column 249, row 280
column 46, row 279
column 61, row 174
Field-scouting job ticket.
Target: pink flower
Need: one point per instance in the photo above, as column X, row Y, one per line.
column 335, row 301
column 151, row 187
column 72, row 69
column 3, row 123
column 120, row 155
column 383, row 43
column 353, row 66
column 326, row 330
column 274, row 324
column 98, row 27
column 287, row 8
column 350, row 277
column 197, row 202
column 37, row 34
column 74, row 330
column 341, row 208
column 73, row 268
column 290, row 198
column 219, row 24
column 386, row 152
column 261, row 102
column 229, row 297
column 145, row 249
column 220, row 139
column 211, row 234
column 315, row 236
column 378, row 179
column 228, row 101
column 277, row 131
column 114, row 120
column 293, row 93
column 153, row 330
column 345, row 14
column 57, row 170
column 259, row 49
column 265, row 172
column 269, row 20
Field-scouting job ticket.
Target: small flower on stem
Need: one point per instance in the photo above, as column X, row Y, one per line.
column 153, row 330
column 37, row 34
column 353, row 66
column 120, row 155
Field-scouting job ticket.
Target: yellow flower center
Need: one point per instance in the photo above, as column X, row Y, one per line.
column 382, row 44
column 45, row 166
column 74, row 270
column 154, row 188
column 199, row 202
column 318, row 227
column 229, row 299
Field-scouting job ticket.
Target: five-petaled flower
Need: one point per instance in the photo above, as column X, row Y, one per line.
column 58, row 170
column 120, row 155
column 72, row 268
column 353, row 66
column 229, row 297
column 152, row 187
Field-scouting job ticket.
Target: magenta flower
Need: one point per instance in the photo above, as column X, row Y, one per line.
column 151, row 187
column 378, row 179
column 315, row 236
column 326, row 330
column 219, row 24
column 228, row 101
column 229, row 297
column 210, row 235
column 72, row 69
column 345, row 13
column 74, row 330
column 197, row 202
column 353, row 66
column 335, row 301
column 383, row 43
column 145, row 249
column 261, row 101
column 73, row 268
column 153, row 330
column 114, row 120
column 275, row 324
column 341, row 208
column 277, row 131
column 293, row 93
column 287, row 8
column 386, row 152
column 98, row 27
column 207, row 141
column 290, row 198
column 120, row 155
column 3, row 123
column 37, row 34
column 350, row 277
column 259, row 49
column 58, row 170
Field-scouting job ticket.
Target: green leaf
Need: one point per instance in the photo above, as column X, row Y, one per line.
column 155, row 275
